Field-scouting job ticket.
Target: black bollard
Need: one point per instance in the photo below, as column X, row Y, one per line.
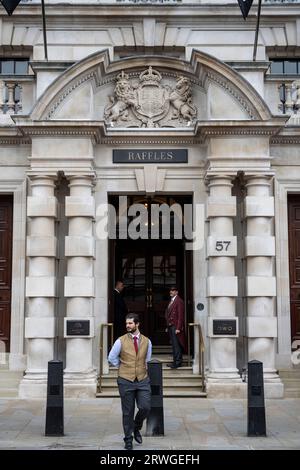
column 155, row 420
column 55, row 400
column 256, row 400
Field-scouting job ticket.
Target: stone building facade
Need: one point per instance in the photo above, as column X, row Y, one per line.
column 159, row 102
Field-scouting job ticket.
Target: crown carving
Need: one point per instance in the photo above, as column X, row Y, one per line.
column 150, row 76
column 123, row 76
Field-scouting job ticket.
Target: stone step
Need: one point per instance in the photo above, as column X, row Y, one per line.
column 166, row 387
column 291, row 380
column 10, row 374
column 167, row 382
column 9, row 392
column 167, row 394
column 9, row 382
column 289, row 373
column 292, row 392
column 167, row 372
column 167, row 358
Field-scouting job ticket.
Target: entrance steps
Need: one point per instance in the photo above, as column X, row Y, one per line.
column 9, row 382
column 177, row 383
column 291, row 381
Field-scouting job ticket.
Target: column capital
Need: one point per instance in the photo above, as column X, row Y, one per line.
column 258, row 180
column 83, row 180
column 42, row 180
column 220, row 180
column 216, row 179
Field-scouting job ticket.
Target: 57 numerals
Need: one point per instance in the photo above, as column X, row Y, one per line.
column 222, row 246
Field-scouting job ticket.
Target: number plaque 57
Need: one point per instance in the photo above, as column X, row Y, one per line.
column 222, row 245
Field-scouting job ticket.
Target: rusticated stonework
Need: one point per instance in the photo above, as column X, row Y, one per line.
column 149, row 103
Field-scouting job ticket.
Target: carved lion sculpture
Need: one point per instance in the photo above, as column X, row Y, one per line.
column 124, row 97
column 181, row 100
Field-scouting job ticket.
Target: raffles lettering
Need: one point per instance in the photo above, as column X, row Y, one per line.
column 165, row 156
column 150, row 156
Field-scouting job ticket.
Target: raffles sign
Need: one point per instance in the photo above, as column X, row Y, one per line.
column 150, row 156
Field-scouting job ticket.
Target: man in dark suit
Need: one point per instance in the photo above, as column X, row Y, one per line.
column 175, row 326
column 120, row 308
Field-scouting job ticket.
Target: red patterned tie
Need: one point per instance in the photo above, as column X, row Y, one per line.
column 135, row 342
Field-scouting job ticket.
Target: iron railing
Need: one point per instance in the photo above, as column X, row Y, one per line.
column 102, row 327
column 197, row 326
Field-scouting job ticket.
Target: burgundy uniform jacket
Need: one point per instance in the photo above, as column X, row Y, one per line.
column 175, row 316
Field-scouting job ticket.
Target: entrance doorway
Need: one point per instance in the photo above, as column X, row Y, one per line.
column 294, row 263
column 149, row 268
column 6, row 218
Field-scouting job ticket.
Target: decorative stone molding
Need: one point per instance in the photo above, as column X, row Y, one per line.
column 66, row 93
column 285, row 140
column 15, row 141
column 97, row 67
column 227, row 86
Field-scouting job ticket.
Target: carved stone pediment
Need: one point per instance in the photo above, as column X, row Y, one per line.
column 150, row 103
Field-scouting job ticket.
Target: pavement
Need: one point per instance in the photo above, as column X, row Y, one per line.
column 190, row 423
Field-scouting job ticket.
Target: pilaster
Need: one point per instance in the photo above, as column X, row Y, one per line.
column 79, row 374
column 223, row 379
column 40, row 322
column 261, row 281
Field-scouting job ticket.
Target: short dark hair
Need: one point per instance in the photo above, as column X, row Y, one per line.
column 119, row 280
column 133, row 316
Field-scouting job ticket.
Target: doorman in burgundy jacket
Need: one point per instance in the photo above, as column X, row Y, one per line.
column 175, row 327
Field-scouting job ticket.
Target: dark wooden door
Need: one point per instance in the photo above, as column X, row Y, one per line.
column 6, row 209
column 148, row 269
column 294, row 263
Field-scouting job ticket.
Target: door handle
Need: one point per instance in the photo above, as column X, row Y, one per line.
column 150, row 300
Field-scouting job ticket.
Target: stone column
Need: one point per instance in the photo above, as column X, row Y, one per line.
column 80, row 375
column 40, row 286
column 223, row 379
column 260, row 281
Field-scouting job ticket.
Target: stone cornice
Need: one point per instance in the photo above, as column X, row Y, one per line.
column 18, row 140
column 100, row 134
column 10, row 135
column 50, row 65
column 285, row 140
column 288, row 136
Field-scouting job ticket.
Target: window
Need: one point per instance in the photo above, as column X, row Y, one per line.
column 285, row 67
column 14, row 66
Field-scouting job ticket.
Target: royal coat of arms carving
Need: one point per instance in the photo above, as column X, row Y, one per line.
column 149, row 103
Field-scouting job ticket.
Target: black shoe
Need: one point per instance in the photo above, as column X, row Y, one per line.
column 128, row 444
column 137, row 436
column 171, row 365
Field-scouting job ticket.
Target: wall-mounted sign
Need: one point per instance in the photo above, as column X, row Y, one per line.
column 150, row 156
column 224, row 327
column 227, row 327
column 78, row 327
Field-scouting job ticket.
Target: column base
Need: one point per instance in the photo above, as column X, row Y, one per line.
column 33, row 385
column 226, row 389
column 80, row 384
column 17, row 361
column 274, row 390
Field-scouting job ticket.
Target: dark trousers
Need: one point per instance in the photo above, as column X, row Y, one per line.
column 176, row 346
column 131, row 392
